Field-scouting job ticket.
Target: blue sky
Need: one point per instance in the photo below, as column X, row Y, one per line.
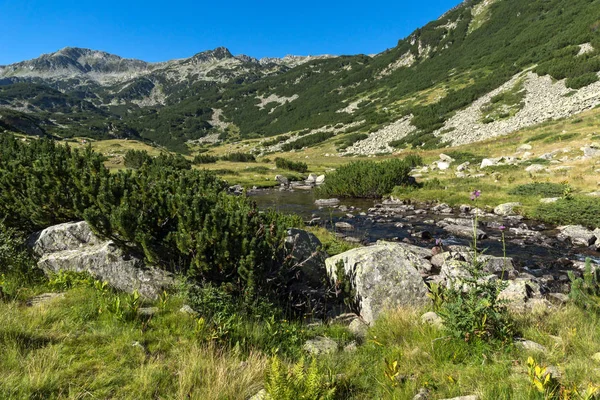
column 159, row 31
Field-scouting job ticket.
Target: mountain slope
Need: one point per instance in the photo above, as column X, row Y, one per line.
column 410, row 95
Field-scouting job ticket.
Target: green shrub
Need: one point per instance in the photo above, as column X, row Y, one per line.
column 543, row 189
column 135, row 159
column 258, row 169
column 577, row 210
column 239, row 157
column 471, row 309
column 369, row 179
column 205, row 159
column 349, row 140
column 180, row 220
column 308, row 141
column 561, row 138
column 464, row 156
column 581, row 81
column 274, row 141
column 283, row 163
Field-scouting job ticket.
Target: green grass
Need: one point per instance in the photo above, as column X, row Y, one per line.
column 577, row 210
column 67, row 349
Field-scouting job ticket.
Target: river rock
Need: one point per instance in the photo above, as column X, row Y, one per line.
column 327, row 202
column 312, row 178
column 74, row 247
column 578, row 235
column 344, row 226
column 506, row 208
column 465, row 231
column 383, row 276
column 320, row 180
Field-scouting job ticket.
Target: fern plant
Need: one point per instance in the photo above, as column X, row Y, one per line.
column 585, row 292
column 298, row 382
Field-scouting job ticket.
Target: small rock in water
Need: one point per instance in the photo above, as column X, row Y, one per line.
column 344, row 226
column 327, row 202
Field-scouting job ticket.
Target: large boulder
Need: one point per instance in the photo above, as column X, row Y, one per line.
column 304, row 251
column 578, row 235
column 74, row 247
column 383, row 276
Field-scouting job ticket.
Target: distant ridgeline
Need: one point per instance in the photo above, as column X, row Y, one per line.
column 468, row 52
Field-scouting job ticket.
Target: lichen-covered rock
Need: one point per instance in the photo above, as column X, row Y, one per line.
column 320, row 345
column 578, row 235
column 68, row 236
column 74, row 247
column 383, row 276
column 303, row 249
column 109, row 263
column 506, row 208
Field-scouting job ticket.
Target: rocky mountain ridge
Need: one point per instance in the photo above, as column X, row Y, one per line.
column 105, row 68
column 452, row 81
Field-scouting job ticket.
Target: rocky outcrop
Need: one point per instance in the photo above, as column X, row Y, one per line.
column 74, row 247
column 383, row 276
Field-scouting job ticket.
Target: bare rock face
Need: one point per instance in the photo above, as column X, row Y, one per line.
column 384, row 276
column 74, row 247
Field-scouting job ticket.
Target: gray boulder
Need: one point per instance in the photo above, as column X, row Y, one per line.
column 535, row 168
column 344, row 226
column 506, row 208
column 68, row 236
column 320, row 180
column 590, row 151
column 465, row 231
column 383, row 276
column 320, row 345
column 312, row 179
column 282, row 180
column 304, row 250
column 327, row 202
column 74, row 247
column 578, row 235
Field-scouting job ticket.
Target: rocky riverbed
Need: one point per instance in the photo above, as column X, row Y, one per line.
column 538, row 250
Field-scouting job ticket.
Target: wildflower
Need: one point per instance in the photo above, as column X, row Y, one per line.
column 475, row 194
column 438, row 242
column 502, row 227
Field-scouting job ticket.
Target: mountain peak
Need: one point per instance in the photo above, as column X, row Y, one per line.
column 220, row 53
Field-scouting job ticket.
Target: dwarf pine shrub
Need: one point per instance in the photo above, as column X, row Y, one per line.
column 370, row 179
